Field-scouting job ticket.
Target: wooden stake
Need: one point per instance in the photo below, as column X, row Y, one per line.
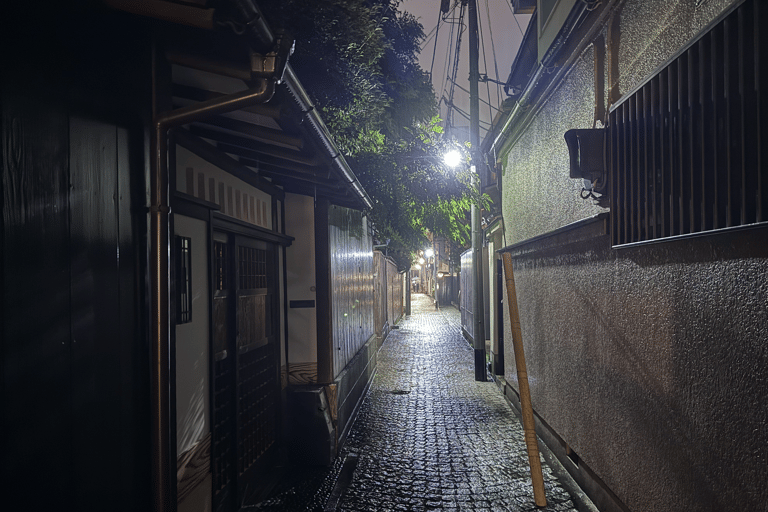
column 529, row 425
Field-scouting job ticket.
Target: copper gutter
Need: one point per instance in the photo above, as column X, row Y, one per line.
column 162, row 499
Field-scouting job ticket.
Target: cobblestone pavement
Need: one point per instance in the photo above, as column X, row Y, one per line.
column 428, row 437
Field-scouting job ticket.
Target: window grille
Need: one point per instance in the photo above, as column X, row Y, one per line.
column 253, row 268
column 686, row 149
column 220, row 262
column 184, row 280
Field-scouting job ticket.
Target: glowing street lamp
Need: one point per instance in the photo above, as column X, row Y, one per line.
column 452, row 158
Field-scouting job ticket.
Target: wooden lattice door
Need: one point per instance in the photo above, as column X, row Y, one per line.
column 246, row 372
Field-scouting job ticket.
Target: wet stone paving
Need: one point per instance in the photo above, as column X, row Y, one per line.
column 428, row 437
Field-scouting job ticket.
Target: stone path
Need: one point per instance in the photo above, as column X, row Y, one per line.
column 428, row 437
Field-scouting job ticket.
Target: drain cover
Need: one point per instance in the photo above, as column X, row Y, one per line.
column 399, row 392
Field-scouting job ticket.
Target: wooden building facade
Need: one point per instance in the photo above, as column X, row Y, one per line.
column 169, row 235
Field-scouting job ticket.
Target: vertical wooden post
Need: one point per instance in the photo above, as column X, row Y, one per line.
column 323, row 283
column 529, row 425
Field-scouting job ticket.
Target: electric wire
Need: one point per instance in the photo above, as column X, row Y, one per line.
column 434, row 50
column 493, row 49
column 445, row 86
column 444, row 77
column 447, row 59
column 485, row 65
column 455, row 69
column 481, row 99
column 514, row 16
column 428, row 37
column 466, row 116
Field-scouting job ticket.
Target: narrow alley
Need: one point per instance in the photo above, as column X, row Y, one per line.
column 225, row 225
column 427, row 436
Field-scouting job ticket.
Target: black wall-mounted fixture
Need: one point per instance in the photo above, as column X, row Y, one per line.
column 586, row 149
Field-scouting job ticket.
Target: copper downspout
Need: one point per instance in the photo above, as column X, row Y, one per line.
column 162, row 501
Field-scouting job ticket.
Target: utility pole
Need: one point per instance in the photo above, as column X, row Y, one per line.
column 477, row 232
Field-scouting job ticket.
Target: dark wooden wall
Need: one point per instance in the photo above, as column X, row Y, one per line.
column 74, row 391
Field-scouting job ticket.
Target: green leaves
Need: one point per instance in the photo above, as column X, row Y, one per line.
column 359, row 62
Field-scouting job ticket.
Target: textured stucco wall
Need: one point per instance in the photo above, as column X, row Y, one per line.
column 652, row 31
column 538, row 194
column 537, row 191
column 650, row 362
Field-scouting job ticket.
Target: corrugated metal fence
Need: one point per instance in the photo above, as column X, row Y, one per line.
column 352, row 283
column 467, row 297
column 367, row 288
column 388, row 285
column 394, row 292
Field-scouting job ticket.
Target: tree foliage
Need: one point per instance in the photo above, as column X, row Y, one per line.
column 358, row 59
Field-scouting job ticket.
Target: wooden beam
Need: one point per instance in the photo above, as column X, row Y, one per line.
column 254, row 145
column 341, row 198
column 254, row 130
column 529, row 423
column 265, row 169
column 272, row 160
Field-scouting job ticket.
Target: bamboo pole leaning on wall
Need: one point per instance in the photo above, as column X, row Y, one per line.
column 529, row 425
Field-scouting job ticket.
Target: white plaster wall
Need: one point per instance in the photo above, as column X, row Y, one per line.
column 186, row 160
column 192, row 407
column 300, row 263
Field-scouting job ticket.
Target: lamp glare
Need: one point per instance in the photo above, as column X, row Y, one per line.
column 452, row 158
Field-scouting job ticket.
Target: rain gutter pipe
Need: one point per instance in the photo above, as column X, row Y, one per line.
column 311, row 115
column 159, row 277
column 259, row 30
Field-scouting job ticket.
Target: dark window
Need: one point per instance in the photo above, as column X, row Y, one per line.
column 184, row 280
column 686, row 154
